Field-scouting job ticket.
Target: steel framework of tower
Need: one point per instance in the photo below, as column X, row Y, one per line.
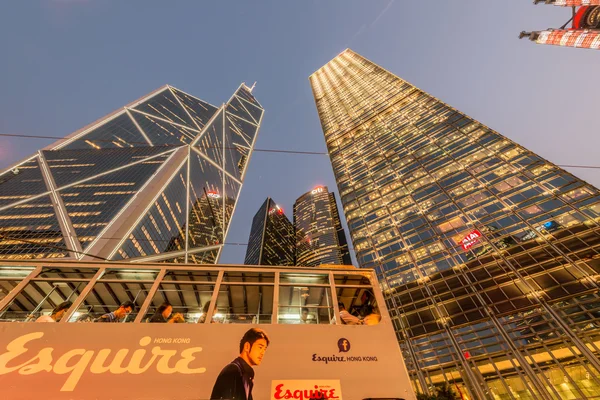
column 157, row 180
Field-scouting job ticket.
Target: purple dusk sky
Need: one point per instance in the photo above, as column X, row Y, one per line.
column 66, row 63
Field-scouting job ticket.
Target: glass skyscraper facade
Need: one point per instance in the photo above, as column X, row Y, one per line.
column 156, row 180
column 488, row 254
column 271, row 239
column 320, row 237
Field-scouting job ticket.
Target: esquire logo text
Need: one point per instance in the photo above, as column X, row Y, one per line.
column 78, row 362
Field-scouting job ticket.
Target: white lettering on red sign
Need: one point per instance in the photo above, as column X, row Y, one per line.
column 469, row 240
column 213, row 195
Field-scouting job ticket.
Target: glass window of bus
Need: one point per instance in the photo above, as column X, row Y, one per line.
column 300, row 304
column 244, row 304
column 243, row 277
column 351, row 279
column 189, row 302
column 40, row 297
column 304, row 278
column 115, row 287
column 10, row 276
column 132, row 274
column 67, row 272
column 360, row 302
column 191, row 276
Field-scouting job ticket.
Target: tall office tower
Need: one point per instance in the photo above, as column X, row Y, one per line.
column 488, row 254
column 271, row 239
column 320, row 237
column 156, row 180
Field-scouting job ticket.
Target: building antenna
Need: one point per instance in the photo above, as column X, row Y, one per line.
column 254, row 84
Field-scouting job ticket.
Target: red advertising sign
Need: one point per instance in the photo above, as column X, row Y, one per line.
column 306, row 389
column 469, row 240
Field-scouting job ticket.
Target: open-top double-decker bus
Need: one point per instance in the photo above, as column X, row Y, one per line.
column 313, row 352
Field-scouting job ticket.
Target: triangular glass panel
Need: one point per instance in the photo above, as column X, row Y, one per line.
column 245, row 130
column 200, row 110
column 31, row 230
column 162, row 229
column 236, row 150
column 162, row 133
column 165, row 105
column 254, row 111
column 206, row 211
column 119, row 132
column 69, row 166
column 205, row 257
column 245, row 94
column 21, row 182
column 238, row 109
column 211, row 141
column 92, row 204
column 232, row 191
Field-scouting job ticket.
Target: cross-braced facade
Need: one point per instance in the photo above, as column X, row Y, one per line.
column 156, row 180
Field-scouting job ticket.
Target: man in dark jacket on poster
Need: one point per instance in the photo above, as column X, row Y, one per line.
column 236, row 380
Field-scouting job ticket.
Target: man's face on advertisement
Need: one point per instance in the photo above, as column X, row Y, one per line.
column 257, row 352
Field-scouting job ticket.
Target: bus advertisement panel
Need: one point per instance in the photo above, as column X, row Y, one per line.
column 201, row 362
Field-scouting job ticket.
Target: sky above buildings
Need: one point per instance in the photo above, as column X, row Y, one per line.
column 66, row 63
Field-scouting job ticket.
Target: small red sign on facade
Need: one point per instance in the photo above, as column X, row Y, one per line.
column 467, row 355
column 469, row 240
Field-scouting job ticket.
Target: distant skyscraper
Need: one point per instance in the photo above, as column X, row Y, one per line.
column 489, row 255
column 156, row 180
column 320, row 237
column 271, row 237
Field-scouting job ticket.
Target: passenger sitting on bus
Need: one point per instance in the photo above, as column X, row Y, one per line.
column 117, row 315
column 57, row 313
column 347, row 318
column 371, row 318
column 304, row 316
column 162, row 313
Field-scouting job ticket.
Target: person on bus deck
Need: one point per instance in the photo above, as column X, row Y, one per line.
column 57, row 313
column 204, row 312
column 347, row 318
column 117, row 315
column 162, row 313
column 371, row 317
column 236, row 380
column 304, row 316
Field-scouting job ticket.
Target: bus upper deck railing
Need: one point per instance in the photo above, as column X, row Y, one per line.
column 197, row 293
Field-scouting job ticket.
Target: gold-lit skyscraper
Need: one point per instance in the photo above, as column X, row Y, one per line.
column 320, row 237
column 489, row 255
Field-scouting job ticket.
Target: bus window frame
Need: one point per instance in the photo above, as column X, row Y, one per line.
column 222, row 269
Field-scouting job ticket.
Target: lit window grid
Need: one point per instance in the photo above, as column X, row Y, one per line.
column 317, row 236
column 552, row 188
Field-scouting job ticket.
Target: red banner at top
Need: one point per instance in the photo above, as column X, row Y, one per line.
column 574, row 3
